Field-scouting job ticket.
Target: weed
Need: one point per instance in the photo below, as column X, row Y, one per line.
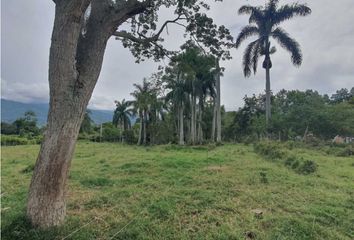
column 263, row 177
column 28, row 169
column 307, row 167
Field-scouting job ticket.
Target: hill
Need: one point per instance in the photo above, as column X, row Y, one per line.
column 11, row 110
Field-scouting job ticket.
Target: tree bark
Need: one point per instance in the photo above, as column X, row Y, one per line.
column 46, row 200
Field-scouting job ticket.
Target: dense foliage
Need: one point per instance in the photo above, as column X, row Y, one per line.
column 295, row 114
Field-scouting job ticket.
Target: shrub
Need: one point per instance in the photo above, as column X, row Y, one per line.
column 11, row 140
column 307, row 167
column 263, row 177
column 275, row 151
column 346, row 152
column 28, row 169
column 129, row 137
column 270, row 150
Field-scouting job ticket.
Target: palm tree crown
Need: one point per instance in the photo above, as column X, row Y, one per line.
column 264, row 23
column 123, row 113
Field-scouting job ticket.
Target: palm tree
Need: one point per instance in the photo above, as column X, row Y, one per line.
column 122, row 114
column 142, row 102
column 264, row 23
column 179, row 97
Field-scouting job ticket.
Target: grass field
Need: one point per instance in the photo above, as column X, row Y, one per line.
column 171, row 192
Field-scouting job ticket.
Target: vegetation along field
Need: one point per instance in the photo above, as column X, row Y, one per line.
column 234, row 191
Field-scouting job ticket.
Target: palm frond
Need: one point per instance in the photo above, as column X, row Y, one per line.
column 247, row 58
column 246, row 9
column 256, row 13
column 245, row 33
column 290, row 44
column 256, row 52
column 289, row 11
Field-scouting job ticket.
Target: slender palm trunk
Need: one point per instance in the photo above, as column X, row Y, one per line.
column 145, row 128
column 141, row 129
column 181, row 126
column 193, row 119
column 200, row 130
column 218, row 104
column 268, row 106
column 213, row 126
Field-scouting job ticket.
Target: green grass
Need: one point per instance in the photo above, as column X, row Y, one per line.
column 171, row 192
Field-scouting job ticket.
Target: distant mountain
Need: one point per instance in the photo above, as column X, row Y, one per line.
column 11, row 110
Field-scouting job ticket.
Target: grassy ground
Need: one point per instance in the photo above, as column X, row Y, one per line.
column 168, row 192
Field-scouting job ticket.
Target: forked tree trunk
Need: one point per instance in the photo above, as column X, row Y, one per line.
column 74, row 67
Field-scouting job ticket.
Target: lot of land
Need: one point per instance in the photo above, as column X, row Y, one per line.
column 169, row 192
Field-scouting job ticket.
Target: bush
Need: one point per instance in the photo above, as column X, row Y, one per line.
column 307, row 167
column 11, row 140
column 129, row 137
column 292, row 162
column 28, row 169
column 270, row 150
column 276, row 152
column 346, row 152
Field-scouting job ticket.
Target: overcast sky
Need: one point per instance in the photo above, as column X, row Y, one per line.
column 326, row 38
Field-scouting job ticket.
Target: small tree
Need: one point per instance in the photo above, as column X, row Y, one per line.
column 86, row 125
column 122, row 114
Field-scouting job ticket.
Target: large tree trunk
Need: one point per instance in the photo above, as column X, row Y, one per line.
column 218, row 104
column 74, row 67
column 181, row 126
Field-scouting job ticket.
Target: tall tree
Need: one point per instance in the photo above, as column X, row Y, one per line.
column 78, row 43
column 142, row 101
column 179, row 98
column 264, row 23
